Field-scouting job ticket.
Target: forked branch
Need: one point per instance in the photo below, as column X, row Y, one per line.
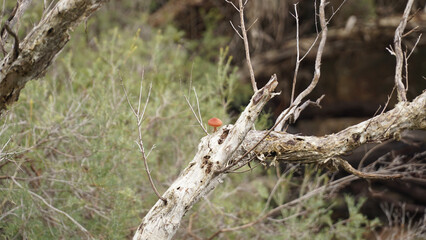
column 287, row 113
column 139, row 115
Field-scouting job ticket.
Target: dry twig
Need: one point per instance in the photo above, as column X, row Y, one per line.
column 139, row 115
column 243, row 35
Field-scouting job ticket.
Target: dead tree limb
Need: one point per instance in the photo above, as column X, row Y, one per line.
column 39, row 48
column 281, row 146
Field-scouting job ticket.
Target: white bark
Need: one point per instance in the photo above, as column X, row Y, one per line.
column 201, row 176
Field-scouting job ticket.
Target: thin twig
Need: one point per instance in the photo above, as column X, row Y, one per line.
column 139, row 117
column 336, row 11
column 198, row 107
column 246, row 46
column 387, row 102
column 411, row 31
column 230, row 2
column 348, row 168
column 235, row 29
column 195, row 115
column 140, row 93
column 296, row 69
column 415, row 45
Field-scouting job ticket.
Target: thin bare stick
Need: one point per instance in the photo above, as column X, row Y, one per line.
column 140, row 93
column 348, row 168
column 198, row 107
column 387, row 102
column 142, row 115
column 415, row 45
column 139, row 117
column 246, row 46
column 318, row 58
column 337, row 10
column 230, row 2
column 411, row 31
column 296, row 69
column 127, row 98
column 274, row 189
column 406, row 70
column 235, row 29
column 402, row 93
column 251, row 25
column 195, row 115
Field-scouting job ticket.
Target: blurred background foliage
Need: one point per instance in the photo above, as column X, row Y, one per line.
column 69, row 142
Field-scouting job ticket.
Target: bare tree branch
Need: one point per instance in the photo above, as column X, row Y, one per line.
column 287, row 113
column 296, row 68
column 41, row 45
column 291, row 148
column 246, row 44
column 139, row 118
column 402, row 93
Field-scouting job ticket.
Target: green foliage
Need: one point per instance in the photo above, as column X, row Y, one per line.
column 72, row 134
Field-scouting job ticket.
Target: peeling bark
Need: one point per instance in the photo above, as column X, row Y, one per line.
column 39, row 48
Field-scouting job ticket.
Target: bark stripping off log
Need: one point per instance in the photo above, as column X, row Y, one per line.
column 41, row 46
column 200, row 177
column 325, row 150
